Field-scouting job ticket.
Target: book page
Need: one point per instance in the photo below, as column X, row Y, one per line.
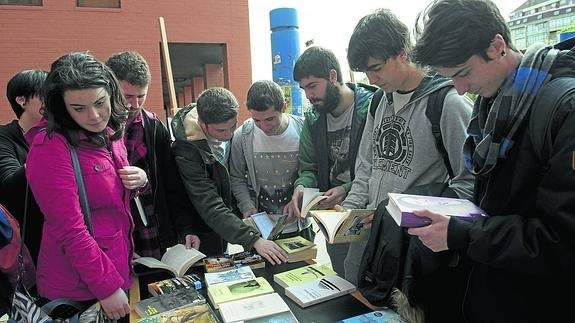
column 181, row 259
column 351, row 229
column 263, row 223
column 152, row 262
column 330, row 219
column 311, row 196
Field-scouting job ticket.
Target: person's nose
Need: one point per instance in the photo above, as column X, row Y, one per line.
column 133, row 102
column 93, row 113
column 460, row 85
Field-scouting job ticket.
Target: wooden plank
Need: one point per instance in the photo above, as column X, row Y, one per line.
column 166, row 63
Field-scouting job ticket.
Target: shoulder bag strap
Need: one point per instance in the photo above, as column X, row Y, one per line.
column 81, row 189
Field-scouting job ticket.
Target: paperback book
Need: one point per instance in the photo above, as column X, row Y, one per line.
column 319, row 291
column 218, row 263
column 257, row 307
column 202, row 313
column 227, row 262
column 401, row 207
column 311, row 197
column 177, row 260
column 232, row 291
column 342, row 227
column 303, row 275
column 298, row 248
column 238, row 274
column 172, row 284
column 165, row 302
column 387, row 316
column 269, row 226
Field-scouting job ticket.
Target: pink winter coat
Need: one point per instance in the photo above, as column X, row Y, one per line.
column 73, row 264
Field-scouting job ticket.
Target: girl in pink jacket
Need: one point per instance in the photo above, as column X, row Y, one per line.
column 84, row 108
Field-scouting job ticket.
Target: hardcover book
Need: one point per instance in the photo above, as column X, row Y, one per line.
column 249, row 309
column 241, row 273
column 318, row 291
column 401, row 207
column 165, row 302
column 303, row 275
column 172, row 284
column 176, row 260
column 269, row 226
column 387, row 316
column 202, row 313
column 311, row 197
column 298, row 248
column 232, row 291
column 342, row 227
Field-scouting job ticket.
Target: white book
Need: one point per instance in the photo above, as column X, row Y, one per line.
column 176, row 260
column 318, row 291
column 238, row 274
column 311, row 197
column 253, row 308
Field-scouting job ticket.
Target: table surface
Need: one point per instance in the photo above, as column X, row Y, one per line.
column 329, row 311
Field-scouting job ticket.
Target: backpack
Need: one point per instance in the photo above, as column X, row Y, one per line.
column 433, row 112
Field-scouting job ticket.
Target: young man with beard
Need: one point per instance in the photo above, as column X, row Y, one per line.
column 264, row 157
column 332, row 129
column 202, row 149
column 522, row 254
column 398, row 149
column 148, row 145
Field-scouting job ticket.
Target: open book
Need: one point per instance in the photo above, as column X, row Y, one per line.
column 176, row 260
column 311, row 197
column 342, row 227
column 270, row 226
column 401, row 207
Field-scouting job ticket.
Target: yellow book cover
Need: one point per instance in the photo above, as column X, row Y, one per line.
column 303, row 275
column 226, row 292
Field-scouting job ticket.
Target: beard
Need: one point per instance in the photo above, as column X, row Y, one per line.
column 330, row 101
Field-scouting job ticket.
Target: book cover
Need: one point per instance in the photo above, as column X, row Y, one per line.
column 298, row 248
column 248, row 258
column 401, row 207
column 232, row 291
column 318, row 291
column 344, row 226
column 303, row 275
column 253, row 308
column 172, row 284
column 387, row 316
column 311, row 197
column 202, row 313
column 165, row 302
column 176, row 260
column 283, row 317
column 218, row 263
column 241, row 273
column 269, row 226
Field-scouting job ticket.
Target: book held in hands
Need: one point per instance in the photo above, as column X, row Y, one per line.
column 165, row 302
column 172, row 284
column 232, row 291
column 298, row 248
column 269, row 306
column 342, row 227
column 401, row 207
column 311, row 197
column 319, row 291
column 302, row 275
column 269, row 226
column 176, row 260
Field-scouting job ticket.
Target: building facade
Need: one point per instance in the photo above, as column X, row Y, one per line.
column 208, row 41
column 540, row 21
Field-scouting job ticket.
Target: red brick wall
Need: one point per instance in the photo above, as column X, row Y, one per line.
column 33, row 37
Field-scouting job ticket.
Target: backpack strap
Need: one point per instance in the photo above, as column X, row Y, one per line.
column 375, row 99
column 547, row 115
column 433, row 113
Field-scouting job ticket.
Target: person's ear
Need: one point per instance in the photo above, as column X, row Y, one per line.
column 332, row 75
column 283, row 108
column 497, row 48
column 21, row 100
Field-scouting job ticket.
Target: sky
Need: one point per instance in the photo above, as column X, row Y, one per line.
column 329, row 23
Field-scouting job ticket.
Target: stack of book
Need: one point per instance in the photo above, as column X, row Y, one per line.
column 172, row 284
column 175, row 305
column 298, row 248
column 227, row 262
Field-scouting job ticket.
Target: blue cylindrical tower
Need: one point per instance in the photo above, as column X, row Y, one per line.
column 285, row 51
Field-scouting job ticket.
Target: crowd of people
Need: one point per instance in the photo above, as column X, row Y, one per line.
column 147, row 190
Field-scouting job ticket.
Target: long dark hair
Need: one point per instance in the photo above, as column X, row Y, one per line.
column 78, row 71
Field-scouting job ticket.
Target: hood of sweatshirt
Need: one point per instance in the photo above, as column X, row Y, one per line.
column 185, row 125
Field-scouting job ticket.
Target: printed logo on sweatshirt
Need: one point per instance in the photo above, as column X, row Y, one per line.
column 393, row 147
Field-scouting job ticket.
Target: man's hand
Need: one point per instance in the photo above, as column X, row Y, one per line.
column 292, row 208
column 133, row 177
column 334, row 195
column 366, row 222
column 249, row 213
column 434, row 235
column 271, row 251
column 192, row 241
column 116, row 305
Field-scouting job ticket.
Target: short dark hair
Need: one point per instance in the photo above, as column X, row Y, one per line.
column 380, row 35
column 449, row 32
column 78, row 71
column 27, row 84
column 265, row 94
column 130, row 67
column 316, row 61
column 217, row 105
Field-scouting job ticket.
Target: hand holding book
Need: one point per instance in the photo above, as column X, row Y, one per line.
column 434, row 235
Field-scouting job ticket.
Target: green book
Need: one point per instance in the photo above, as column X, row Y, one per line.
column 297, row 248
column 226, row 292
column 192, row 313
column 303, row 274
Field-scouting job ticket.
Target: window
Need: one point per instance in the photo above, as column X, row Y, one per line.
column 21, row 2
column 99, row 3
